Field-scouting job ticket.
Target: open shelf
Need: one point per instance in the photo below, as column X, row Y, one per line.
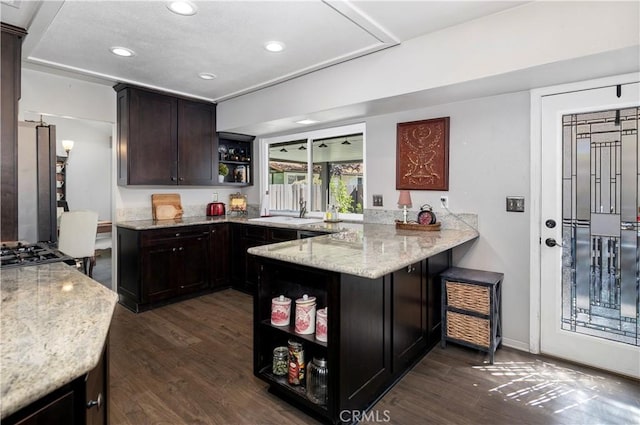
column 290, row 330
column 299, row 392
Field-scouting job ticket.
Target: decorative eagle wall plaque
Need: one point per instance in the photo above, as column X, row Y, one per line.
column 422, row 155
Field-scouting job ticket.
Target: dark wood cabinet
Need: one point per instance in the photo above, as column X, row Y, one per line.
column 164, row 140
column 219, row 254
column 235, row 154
column 159, row 265
column 197, row 143
column 84, row 401
column 245, row 269
column 409, row 314
column 377, row 330
column 11, row 62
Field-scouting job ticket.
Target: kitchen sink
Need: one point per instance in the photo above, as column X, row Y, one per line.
column 286, row 220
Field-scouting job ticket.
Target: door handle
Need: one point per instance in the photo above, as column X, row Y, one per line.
column 550, row 242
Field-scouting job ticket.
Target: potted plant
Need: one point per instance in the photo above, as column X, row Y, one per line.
column 223, row 170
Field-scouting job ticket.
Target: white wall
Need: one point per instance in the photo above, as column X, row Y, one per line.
column 521, row 38
column 488, row 160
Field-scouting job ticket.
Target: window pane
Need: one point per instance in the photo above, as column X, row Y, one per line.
column 336, row 177
column 287, row 175
column 338, row 174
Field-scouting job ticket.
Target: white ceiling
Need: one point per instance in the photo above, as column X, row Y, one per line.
column 224, row 38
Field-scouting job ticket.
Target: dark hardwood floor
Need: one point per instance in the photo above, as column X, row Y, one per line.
column 191, row 363
column 102, row 269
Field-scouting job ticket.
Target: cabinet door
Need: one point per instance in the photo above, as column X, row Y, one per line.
column 197, row 143
column 409, row 315
column 96, row 388
column 151, row 148
column 193, row 263
column 158, row 265
column 219, row 253
column 435, row 265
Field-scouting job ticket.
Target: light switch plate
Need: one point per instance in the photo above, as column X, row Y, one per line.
column 377, row 200
column 515, row 203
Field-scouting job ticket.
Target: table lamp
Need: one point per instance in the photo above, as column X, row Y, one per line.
column 404, row 201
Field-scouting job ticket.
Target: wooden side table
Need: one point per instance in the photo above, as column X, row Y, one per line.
column 471, row 309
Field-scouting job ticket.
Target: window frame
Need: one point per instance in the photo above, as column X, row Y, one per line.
column 310, row 136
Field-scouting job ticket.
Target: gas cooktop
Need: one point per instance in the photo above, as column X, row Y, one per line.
column 20, row 254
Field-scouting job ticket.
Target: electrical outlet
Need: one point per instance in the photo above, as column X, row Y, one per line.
column 444, row 201
column 515, row 203
column 215, row 196
column 377, row 200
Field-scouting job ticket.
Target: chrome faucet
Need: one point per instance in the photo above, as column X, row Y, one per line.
column 303, row 208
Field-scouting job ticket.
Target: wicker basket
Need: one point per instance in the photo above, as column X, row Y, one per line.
column 468, row 328
column 468, row 297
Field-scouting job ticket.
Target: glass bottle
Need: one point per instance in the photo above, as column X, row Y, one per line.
column 317, row 380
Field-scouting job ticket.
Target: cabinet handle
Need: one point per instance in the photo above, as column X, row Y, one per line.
column 173, row 249
column 173, row 179
column 181, row 286
column 181, row 179
column 98, row 402
column 410, row 269
column 181, row 249
column 177, row 234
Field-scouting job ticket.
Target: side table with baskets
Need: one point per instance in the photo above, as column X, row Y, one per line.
column 471, row 309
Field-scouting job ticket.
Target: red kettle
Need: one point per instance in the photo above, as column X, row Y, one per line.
column 215, row 209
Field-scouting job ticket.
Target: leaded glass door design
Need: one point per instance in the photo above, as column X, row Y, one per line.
column 590, row 298
column 600, row 224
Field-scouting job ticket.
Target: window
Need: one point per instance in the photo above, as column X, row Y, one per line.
column 320, row 168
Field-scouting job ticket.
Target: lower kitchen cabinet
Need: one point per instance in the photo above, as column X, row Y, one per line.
column 161, row 264
column 219, row 238
column 377, row 329
column 244, row 268
column 81, row 402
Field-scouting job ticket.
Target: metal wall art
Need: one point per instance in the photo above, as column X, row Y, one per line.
column 422, row 155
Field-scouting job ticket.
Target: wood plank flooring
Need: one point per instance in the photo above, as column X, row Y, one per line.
column 191, row 363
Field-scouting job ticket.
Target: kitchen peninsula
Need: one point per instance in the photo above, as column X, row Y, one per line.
column 55, row 322
column 381, row 289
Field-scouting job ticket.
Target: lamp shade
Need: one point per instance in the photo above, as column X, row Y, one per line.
column 67, row 145
column 404, row 200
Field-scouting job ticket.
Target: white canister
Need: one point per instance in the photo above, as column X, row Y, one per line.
column 321, row 325
column 306, row 315
column 280, row 311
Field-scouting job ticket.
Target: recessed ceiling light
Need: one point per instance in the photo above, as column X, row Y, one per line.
column 207, row 76
column 184, row 8
column 306, row 122
column 274, row 46
column 122, row 51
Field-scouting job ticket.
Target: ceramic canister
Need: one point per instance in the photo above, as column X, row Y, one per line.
column 306, row 315
column 321, row 325
column 280, row 311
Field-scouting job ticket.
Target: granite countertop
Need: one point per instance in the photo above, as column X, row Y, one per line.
column 55, row 322
column 371, row 252
column 319, row 226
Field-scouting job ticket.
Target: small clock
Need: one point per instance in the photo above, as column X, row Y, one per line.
column 426, row 215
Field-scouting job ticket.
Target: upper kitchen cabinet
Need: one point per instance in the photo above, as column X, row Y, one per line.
column 235, row 155
column 165, row 140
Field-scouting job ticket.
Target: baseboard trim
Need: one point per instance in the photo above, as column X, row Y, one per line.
column 513, row 343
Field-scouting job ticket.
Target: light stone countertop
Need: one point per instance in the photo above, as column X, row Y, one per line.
column 319, row 226
column 54, row 324
column 371, row 252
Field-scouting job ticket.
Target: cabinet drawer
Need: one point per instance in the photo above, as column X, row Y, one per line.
column 281, row 235
column 468, row 297
column 154, row 236
column 255, row 232
column 469, row 329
